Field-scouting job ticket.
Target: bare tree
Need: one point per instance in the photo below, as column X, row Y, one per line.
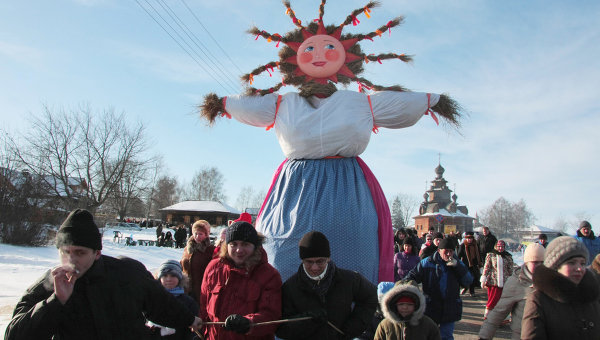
column 249, row 198
column 165, row 193
column 403, row 207
column 82, row 157
column 24, row 206
column 206, row 185
column 505, row 217
column 127, row 198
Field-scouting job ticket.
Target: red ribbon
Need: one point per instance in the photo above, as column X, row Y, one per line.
column 379, row 60
column 355, row 21
column 430, row 112
column 224, row 113
column 367, row 37
column 389, row 25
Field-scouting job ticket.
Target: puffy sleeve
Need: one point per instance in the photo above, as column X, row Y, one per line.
column 395, row 110
column 252, row 110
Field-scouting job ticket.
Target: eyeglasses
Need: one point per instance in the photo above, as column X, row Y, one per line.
column 319, row 262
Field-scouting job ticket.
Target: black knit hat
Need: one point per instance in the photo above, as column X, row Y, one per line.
column 79, row 229
column 408, row 240
column 314, row 244
column 585, row 224
column 438, row 234
column 446, row 243
column 242, row 231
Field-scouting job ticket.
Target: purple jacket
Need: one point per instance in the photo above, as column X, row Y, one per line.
column 403, row 263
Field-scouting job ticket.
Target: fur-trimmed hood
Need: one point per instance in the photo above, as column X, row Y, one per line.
column 388, row 303
column 561, row 289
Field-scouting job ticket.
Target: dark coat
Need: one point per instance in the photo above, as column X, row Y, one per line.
column 181, row 333
column 486, row 244
column 560, row 309
column 194, row 264
column 441, row 285
column 254, row 293
column 347, row 287
column 108, row 302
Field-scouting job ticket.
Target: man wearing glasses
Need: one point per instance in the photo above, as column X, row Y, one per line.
column 341, row 302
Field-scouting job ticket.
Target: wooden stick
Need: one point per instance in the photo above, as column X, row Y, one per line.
column 262, row 323
column 281, row 321
column 337, row 329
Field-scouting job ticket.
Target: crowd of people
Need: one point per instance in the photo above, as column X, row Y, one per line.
column 228, row 290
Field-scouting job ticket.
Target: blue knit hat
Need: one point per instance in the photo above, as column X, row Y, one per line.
column 383, row 288
column 170, row 267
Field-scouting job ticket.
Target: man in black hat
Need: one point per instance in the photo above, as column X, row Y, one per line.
column 94, row 296
column 341, row 302
column 442, row 274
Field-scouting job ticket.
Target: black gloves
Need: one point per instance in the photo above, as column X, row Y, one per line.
column 317, row 315
column 237, row 323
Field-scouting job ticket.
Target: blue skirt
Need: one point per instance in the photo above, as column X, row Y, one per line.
column 326, row 195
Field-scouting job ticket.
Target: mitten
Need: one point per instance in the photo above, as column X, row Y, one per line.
column 237, row 323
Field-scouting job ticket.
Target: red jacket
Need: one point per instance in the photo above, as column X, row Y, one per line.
column 254, row 294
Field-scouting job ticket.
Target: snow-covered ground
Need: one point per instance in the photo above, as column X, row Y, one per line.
column 21, row 266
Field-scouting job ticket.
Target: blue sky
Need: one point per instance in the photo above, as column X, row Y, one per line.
column 526, row 72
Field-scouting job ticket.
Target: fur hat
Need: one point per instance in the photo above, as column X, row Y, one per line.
column 203, row 225
column 534, row 252
column 596, row 264
column 242, row 231
column 562, row 249
column 170, row 267
column 446, row 243
column 314, row 244
column 79, row 229
column 401, row 289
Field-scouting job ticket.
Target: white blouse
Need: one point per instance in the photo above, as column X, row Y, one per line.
column 339, row 125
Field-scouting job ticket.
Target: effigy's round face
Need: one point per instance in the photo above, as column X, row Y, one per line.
column 321, row 56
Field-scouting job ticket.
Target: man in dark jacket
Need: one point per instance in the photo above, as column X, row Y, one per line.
column 341, row 302
column 486, row 242
column 93, row 296
column 442, row 274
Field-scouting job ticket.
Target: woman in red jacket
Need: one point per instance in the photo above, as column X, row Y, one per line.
column 197, row 254
column 241, row 288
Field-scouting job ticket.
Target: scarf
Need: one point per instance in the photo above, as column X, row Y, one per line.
column 473, row 256
column 319, row 287
column 176, row 291
column 193, row 246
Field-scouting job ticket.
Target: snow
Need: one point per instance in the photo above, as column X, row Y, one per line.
column 22, row 266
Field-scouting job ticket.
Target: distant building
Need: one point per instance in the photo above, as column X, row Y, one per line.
column 188, row 212
column 440, row 210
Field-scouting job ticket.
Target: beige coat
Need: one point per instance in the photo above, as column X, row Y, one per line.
column 418, row 326
column 515, row 291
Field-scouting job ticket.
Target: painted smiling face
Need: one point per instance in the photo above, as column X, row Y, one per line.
column 321, row 56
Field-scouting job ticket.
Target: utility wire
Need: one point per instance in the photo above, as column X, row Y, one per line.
column 214, row 61
column 213, row 39
column 188, row 45
column 180, row 45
